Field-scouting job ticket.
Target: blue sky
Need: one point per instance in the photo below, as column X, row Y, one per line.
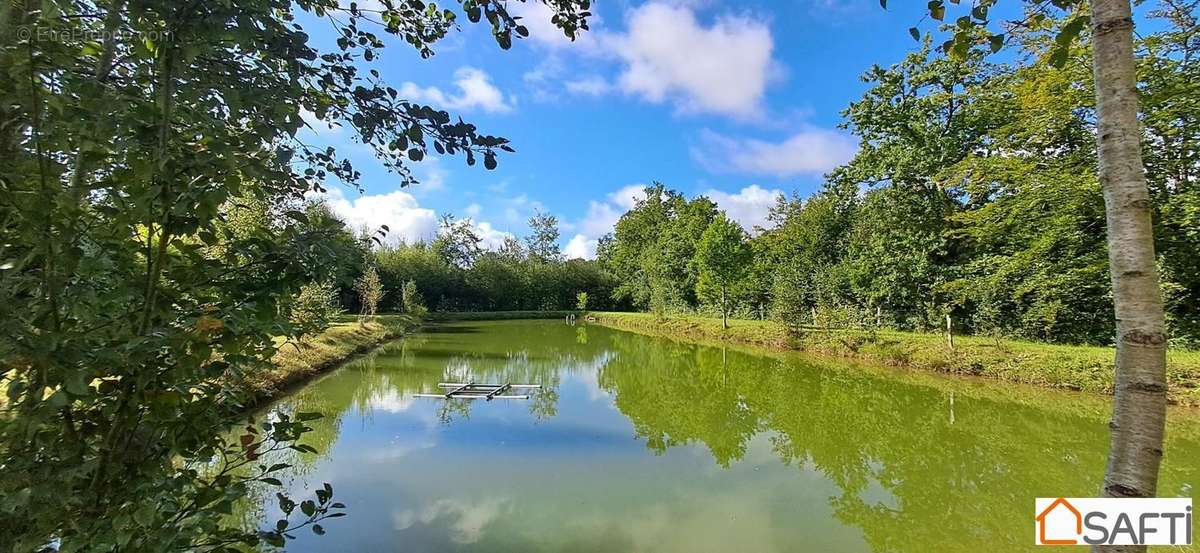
column 739, row 101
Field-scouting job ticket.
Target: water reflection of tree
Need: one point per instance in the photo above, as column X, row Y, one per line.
column 388, row 377
column 449, row 410
column 533, row 353
column 910, row 477
column 676, row 394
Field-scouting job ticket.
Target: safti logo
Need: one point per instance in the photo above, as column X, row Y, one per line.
column 1103, row 520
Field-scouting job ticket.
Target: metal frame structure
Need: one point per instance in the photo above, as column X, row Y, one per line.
column 487, row 392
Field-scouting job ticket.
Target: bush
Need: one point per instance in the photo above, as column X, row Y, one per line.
column 412, row 301
column 370, row 291
column 790, row 304
column 314, row 308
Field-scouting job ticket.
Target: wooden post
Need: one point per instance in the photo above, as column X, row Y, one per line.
column 949, row 332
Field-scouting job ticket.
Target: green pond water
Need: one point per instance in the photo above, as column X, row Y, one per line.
column 644, row 444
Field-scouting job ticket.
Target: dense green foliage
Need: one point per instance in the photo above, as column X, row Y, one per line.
column 1072, row 367
column 313, row 308
column 411, row 300
column 455, row 273
column 155, row 242
column 651, row 250
column 721, row 259
column 973, row 194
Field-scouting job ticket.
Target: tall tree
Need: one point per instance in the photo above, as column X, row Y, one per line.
column 723, row 257
column 542, row 243
column 457, row 241
column 1139, row 409
column 624, row 250
column 651, row 248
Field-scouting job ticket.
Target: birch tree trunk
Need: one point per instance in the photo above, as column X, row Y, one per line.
column 724, row 310
column 1139, row 408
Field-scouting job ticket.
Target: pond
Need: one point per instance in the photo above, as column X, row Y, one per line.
column 645, row 444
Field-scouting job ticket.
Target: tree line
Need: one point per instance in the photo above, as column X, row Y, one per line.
column 455, row 272
column 974, row 197
column 974, row 194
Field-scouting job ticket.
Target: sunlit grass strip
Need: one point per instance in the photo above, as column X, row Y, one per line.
column 296, row 362
column 1086, row 368
column 497, row 315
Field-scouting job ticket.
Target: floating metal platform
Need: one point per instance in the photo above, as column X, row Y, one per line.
column 471, row 390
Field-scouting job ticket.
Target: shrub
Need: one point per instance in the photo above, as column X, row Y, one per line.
column 370, row 291
column 314, row 307
column 412, row 301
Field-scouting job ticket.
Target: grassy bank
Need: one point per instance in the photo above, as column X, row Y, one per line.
column 296, row 362
column 497, row 315
column 1085, row 368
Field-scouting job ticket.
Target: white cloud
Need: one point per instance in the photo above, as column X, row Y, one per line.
column 391, row 401
column 473, row 210
column 490, row 238
column 518, row 209
column 665, row 54
column 465, row 519
column 628, row 196
column 581, row 247
column 430, row 174
column 669, row 55
column 475, row 91
column 406, row 220
column 811, row 151
column 603, row 216
column 589, row 86
column 600, row 219
column 551, row 67
column 542, row 80
column 535, row 16
column 400, row 211
column 749, row 207
column 370, row 6
column 498, row 187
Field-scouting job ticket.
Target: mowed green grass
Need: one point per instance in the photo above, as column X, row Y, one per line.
column 297, row 361
column 496, row 315
column 1086, row 368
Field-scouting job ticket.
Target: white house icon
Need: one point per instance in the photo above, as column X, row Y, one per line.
column 1059, row 514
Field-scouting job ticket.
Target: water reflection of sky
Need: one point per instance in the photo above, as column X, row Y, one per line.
column 503, row 476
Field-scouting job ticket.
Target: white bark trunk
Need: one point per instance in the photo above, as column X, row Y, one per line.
column 949, row 332
column 1139, row 408
column 724, row 310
